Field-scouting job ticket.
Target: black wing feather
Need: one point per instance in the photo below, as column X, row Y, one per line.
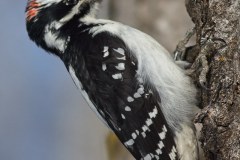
column 111, row 95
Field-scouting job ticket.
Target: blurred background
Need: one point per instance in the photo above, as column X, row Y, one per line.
column 42, row 114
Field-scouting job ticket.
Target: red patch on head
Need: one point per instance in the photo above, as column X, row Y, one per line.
column 32, row 9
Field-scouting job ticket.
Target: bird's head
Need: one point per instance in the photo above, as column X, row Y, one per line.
column 59, row 10
column 40, row 13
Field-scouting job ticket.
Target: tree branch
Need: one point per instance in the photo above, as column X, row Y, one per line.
column 218, row 35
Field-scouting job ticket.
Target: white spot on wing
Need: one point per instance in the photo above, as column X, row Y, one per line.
column 147, row 157
column 69, row 38
column 143, row 134
column 117, row 76
column 137, row 132
column 136, row 95
column 130, row 99
column 164, row 128
column 120, row 50
column 105, row 49
column 123, row 117
column 128, row 109
column 129, row 142
column 159, row 151
column 106, row 54
column 149, row 122
column 145, row 128
column 154, row 113
column 160, row 145
column 162, row 135
column 134, row 136
column 122, row 58
column 140, row 90
column 120, row 66
column 104, row 67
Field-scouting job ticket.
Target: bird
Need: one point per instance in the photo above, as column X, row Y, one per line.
column 127, row 78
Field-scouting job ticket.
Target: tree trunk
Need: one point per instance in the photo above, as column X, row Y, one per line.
column 218, row 39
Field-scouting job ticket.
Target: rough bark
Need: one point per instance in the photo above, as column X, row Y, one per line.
column 218, row 39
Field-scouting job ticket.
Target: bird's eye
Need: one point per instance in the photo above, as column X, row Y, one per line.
column 70, row 2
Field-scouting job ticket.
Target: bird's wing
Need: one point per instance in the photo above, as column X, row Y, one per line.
column 108, row 74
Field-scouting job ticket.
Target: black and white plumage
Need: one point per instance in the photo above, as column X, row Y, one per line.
column 126, row 77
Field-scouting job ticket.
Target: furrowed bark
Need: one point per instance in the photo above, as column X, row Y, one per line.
column 218, row 37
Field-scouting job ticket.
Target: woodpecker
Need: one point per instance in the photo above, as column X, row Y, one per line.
column 126, row 77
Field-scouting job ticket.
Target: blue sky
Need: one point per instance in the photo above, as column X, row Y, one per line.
column 42, row 115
